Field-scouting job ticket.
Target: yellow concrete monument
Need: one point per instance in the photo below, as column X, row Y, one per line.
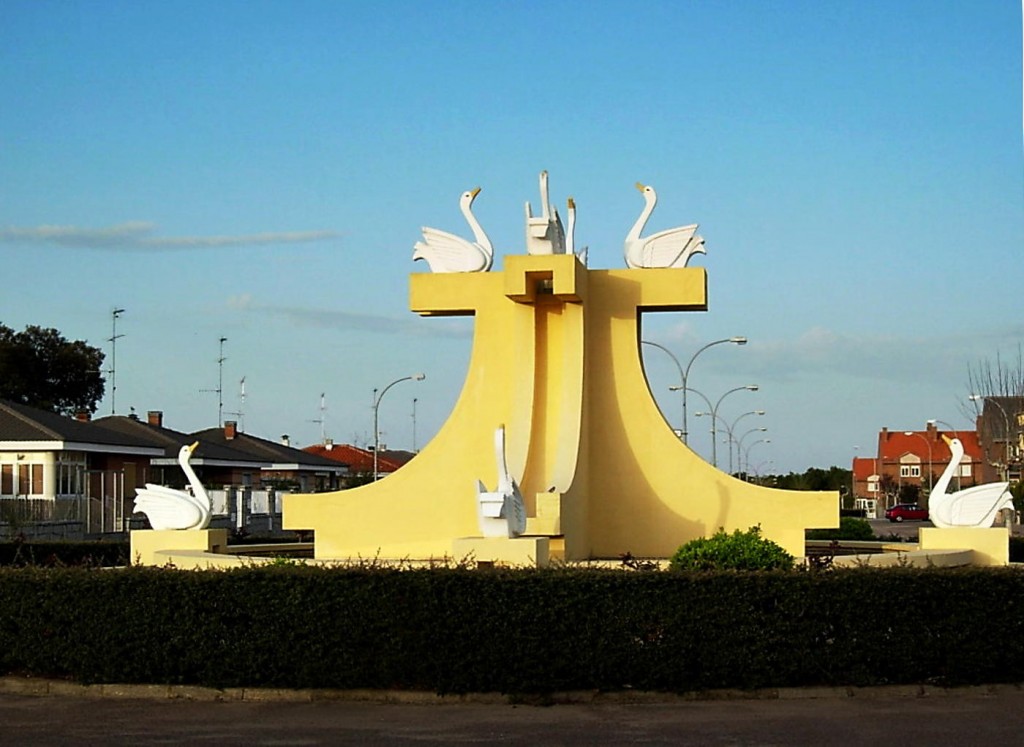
column 556, row 365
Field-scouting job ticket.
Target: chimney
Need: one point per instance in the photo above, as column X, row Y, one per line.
column 230, row 430
column 155, row 417
column 83, row 416
column 329, row 444
column 285, row 441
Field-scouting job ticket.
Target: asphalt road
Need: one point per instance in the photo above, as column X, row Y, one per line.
column 988, row 717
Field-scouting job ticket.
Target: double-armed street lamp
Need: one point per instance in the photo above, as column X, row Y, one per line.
column 714, row 417
column 684, row 373
column 928, row 443
column 739, row 445
column 376, row 408
column 746, row 457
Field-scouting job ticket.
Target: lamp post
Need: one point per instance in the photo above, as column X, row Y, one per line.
column 1006, row 421
column 746, row 458
column 714, row 413
column 684, row 374
column 682, row 380
column 739, row 444
column 929, row 445
column 376, row 409
column 732, row 429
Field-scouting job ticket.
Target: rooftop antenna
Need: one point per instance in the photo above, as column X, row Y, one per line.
column 241, row 406
column 322, row 419
column 220, row 384
column 113, row 357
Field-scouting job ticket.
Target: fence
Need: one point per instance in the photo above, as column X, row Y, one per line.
column 104, row 509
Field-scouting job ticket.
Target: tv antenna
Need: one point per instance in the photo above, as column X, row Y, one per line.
column 113, row 357
column 241, row 406
column 219, row 391
column 323, row 418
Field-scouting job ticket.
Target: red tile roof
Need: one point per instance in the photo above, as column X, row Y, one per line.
column 894, row 444
column 357, row 459
column 863, row 468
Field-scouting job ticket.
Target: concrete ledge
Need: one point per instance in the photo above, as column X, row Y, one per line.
column 41, row 687
column 518, row 551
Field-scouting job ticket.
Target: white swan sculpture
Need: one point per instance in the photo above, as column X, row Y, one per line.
column 169, row 508
column 446, row 252
column 670, row 248
column 570, row 233
column 502, row 512
column 971, row 507
column 544, row 233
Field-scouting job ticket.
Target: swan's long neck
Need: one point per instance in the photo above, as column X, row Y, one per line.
column 478, row 231
column 651, row 199
column 570, row 228
column 197, row 486
column 956, row 453
column 545, row 205
column 504, row 478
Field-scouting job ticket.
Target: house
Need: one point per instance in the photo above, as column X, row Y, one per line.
column 1001, row 428
column 54, row 467
column 282, row 464
column 215, row 465
column 360, row 461
column 909, row 463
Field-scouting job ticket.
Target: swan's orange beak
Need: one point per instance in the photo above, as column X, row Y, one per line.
column 572, row 204
column 475, row 192
column 193, row 447
column 640, row 186
column 948, row 440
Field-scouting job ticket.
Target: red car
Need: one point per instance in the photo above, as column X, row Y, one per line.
column 906, row 512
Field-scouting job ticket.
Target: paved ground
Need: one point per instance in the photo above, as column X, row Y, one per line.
column 987, row 716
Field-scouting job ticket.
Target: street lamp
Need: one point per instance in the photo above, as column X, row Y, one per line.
column 739, row 444
column 376, row 407
column 682, row 379
column 928, row 443
column 732, row 429
column 714, row 414
column 746, row 457
column 684, row 374
column 1006, row 420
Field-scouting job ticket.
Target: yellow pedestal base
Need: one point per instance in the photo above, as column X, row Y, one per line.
column 520, row 551
column 990, row 546
column 155, row 547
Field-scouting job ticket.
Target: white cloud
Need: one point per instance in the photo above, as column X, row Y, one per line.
column 347, row 320
column 136, row 235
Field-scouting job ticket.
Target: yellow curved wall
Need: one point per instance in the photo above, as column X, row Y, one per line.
column 556, row 360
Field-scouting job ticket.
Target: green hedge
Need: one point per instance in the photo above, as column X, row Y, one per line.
column 53, row 554
column 456, row 630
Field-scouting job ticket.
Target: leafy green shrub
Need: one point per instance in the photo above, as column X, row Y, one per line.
column 850, row 528
column 741, row 551
column 57, row 554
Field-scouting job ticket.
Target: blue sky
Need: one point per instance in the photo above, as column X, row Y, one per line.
column 260, row 170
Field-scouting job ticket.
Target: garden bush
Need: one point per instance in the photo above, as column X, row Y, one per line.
column 743, row 551
column 850, row 528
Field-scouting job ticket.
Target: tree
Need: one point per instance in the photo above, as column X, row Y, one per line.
column 38, row 367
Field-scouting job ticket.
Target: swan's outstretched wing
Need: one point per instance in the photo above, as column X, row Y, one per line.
column 169, row 509
column 669, row 248
column 977, row 506
column 446, row 252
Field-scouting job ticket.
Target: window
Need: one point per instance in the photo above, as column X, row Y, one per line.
column 965, row 470
column 872, row 487
column 910, row 470
column 6, row 479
